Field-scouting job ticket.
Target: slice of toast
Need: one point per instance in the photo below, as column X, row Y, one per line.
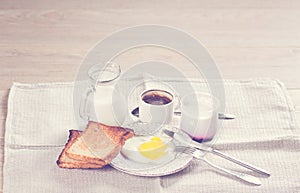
column 66, row 162
column 95, row 147
column 99, row 143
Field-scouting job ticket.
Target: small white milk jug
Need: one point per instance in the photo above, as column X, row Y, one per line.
column 98, row 103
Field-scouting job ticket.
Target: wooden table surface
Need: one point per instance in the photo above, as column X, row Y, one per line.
column 45, row 41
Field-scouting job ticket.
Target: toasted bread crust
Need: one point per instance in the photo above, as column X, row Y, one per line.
column 81, row 142
column 72, row 163
column 93, row 148
column 77, row 165
column 106, row 137
column 73, row 134
column 118, row 134
column 89, row 159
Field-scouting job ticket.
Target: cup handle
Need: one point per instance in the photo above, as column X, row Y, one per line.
column 83, row 104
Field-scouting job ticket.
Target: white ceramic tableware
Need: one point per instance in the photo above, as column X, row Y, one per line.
column 199, row 116
column 156, row 106
column 97, row 103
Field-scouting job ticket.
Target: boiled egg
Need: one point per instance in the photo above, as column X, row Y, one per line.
column 148, row 149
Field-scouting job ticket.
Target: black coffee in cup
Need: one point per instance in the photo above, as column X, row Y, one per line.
column 157, row 97
column 156, row 106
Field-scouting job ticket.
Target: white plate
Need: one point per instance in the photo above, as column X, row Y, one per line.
column 172, row 167
column 177, row 164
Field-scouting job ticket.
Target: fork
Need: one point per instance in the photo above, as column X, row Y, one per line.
column 198, row 155
column 209, row 149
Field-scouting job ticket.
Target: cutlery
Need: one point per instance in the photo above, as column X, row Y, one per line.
column 226, row 116
column 196, row 153
column 179, row 137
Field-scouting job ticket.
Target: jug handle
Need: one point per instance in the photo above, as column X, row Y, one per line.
column 83, row 103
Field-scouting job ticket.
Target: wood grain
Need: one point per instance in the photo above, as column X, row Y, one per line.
column 45, row 41
column 155, row 4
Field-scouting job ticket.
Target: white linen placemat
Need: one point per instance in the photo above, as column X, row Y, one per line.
column 264, row 133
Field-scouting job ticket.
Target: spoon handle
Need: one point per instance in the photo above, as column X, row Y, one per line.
column 226, row 116
column 220, row 115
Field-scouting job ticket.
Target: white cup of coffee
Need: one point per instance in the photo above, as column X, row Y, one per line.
column 156, row 106
column 199, row 116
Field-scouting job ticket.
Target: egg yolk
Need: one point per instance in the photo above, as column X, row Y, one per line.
column 153, row 149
